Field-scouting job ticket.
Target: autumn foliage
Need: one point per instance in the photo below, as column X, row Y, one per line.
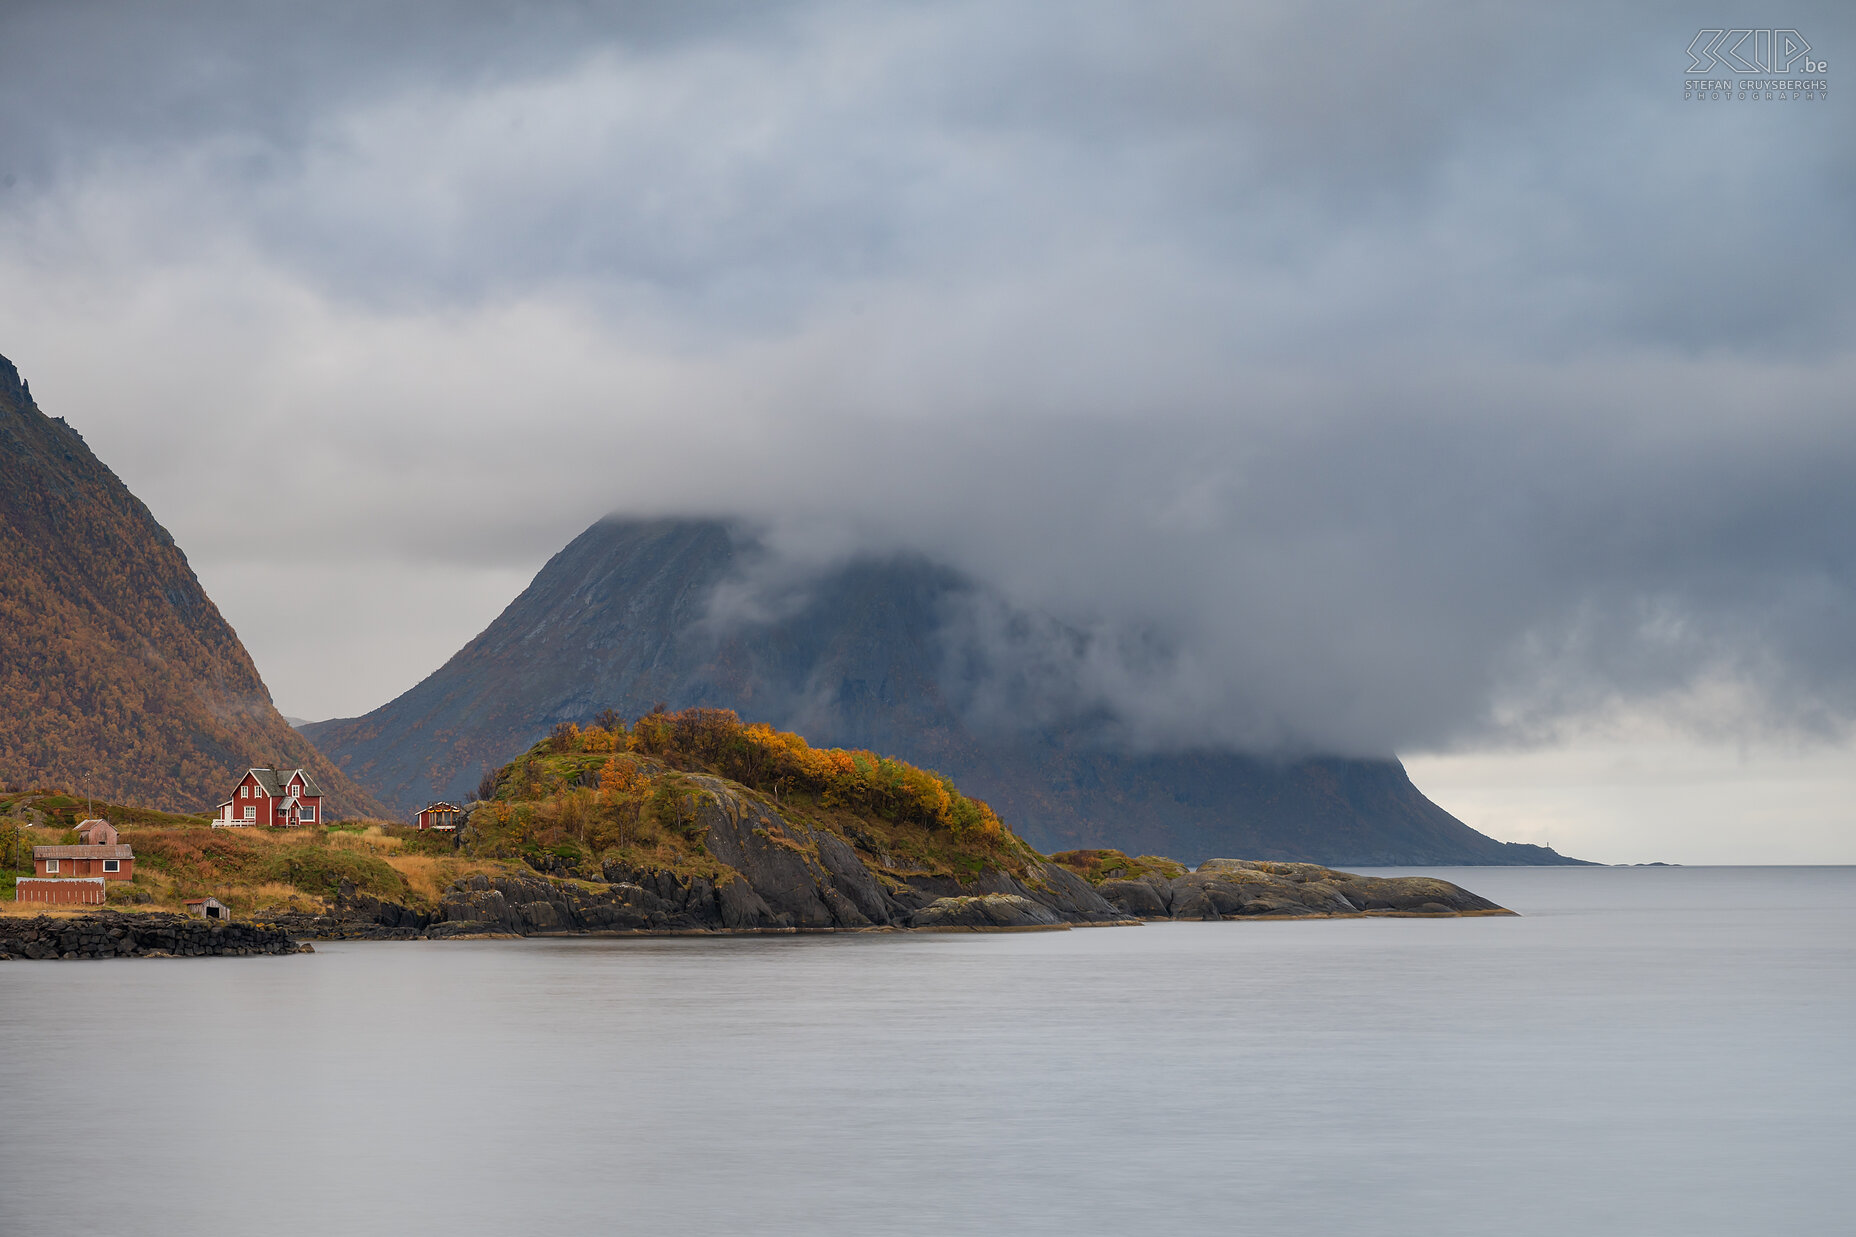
column 768, row 760
column 119, row 674
column 717, row 741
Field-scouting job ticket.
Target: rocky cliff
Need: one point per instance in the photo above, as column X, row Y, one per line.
column 868, row 655
column 118, row 673
column 777, row 873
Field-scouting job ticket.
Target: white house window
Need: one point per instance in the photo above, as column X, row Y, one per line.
column 251, row 811
column 244, row 790
column 309, row 812
column 112, row 865
column 51, row 865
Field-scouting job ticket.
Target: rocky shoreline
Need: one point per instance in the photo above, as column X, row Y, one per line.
column 663, row 904
column 776, row 875
column 1045, row 897
column 111, row 934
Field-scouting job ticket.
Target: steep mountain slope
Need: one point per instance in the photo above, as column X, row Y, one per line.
column 865, row 657
column 117, row 673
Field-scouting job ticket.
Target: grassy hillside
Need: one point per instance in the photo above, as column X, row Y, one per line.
column 613, row 792
column 118, row 672
column 179, row 857
column 573, row 803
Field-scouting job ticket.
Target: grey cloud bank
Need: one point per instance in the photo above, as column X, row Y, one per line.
column 1351, row 381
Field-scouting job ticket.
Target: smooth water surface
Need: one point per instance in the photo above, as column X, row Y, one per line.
column 1646, row 1051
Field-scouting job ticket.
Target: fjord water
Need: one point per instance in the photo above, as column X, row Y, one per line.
column 1645, row 1051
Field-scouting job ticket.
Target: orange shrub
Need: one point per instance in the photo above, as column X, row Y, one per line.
column 767, row 759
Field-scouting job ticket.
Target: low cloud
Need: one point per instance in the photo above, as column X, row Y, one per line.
column 1288, row 377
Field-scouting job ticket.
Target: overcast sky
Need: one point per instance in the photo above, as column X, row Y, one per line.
column 1436, row 381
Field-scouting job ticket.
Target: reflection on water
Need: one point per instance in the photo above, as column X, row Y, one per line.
column 1647, row 1051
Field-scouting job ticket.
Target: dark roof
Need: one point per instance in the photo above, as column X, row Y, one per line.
column 274, row 781
column 119, row 851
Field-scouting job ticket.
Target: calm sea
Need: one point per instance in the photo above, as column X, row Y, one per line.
column 1647, row 1051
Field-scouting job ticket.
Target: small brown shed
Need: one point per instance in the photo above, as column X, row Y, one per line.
column 208, row 908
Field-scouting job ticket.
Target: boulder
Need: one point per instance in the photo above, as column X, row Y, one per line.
column 985, row 911
column 1138, row 899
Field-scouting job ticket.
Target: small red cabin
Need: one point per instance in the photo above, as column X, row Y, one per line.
column 441, row 816
column 112, row 863
column 64, row 874
column 280, row 798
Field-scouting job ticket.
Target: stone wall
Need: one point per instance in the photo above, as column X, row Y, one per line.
column 113, row 935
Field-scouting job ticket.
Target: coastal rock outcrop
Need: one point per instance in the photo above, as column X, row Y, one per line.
column 537, row 905
column 984, row 911
column 770, row 873
column 1147, row 888
column 355, row 915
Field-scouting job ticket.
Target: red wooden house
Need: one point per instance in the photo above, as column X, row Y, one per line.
column 112, row 863
column 64, row 874
column 440, row 816
column 100, row 854
column 280, row 798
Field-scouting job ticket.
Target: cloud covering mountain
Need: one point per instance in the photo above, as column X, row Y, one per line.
column 1337, row 379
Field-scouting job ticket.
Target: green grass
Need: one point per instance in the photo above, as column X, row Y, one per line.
column 1096, row 866
column 321, row 870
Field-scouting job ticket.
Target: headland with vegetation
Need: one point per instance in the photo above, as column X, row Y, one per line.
column 692, row 821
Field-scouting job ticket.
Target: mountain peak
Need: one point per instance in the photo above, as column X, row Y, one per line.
column 864, row 655
column 119, row 672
